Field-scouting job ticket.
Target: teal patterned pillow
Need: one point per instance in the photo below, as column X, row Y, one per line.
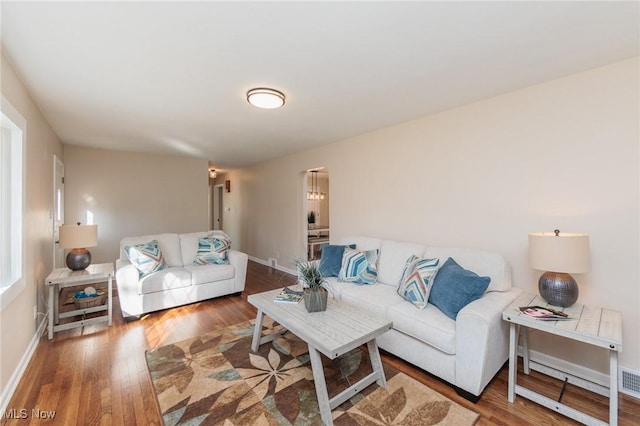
column 417, row 280
column 359, row 267
column 147, row 257
column 213, row 250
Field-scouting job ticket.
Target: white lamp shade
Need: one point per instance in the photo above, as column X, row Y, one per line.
column 566, row 252
column 78, row 236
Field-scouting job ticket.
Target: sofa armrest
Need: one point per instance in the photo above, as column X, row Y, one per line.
column 239, row 261
column 482, row 340
column 127, row 277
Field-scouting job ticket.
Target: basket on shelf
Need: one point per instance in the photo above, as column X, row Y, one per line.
column 90, row 302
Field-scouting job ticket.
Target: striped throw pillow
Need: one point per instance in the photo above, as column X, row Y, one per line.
column 213, row 250
column 359, row 267
column 147, row 257
column 417, row 280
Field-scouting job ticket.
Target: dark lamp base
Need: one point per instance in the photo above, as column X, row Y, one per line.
column 78, row 259
column 558, row 289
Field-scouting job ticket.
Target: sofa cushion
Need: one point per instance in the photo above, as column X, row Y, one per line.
column 417, row 280
column 167, row 279
column 428, row 325
column 375, row 299
column 331, row 259
column 393, row 256
column 146, row 257
column 202, row 274
column 359, row 266
column 212, row 250
column 169, row 244
column 455, row 287
column 484, row 263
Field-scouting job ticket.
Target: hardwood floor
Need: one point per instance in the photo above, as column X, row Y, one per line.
column 97, row 375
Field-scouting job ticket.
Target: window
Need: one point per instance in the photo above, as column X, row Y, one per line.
column 11, row 202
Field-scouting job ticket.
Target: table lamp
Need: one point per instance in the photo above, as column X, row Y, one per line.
column 560, row 254
column 77, row 238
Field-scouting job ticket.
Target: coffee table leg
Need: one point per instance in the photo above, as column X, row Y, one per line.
column 257, row 331
column 376, row 362
column 321, row 386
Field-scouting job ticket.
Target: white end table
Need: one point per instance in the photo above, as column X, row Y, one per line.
column 65, row 277
column 592, row 325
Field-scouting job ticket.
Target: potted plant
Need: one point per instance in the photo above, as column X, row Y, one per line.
column 315, row 292
column 311, row 218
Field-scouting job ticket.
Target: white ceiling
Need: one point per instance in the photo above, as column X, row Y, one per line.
column 171, row 77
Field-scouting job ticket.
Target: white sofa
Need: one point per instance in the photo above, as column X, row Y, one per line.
column 466, row 352
column 181, row 282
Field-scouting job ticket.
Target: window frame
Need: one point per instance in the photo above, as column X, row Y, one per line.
column 17, row 123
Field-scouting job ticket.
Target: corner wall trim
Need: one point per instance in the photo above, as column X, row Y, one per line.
column 8, row 391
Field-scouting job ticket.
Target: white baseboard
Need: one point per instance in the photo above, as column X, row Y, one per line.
column 589, row 374
column 278, row 267
column 8, row 391
column 575, row 369
column 597, row 377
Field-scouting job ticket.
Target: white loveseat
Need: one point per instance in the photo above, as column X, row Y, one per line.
column 466, row 352
column 181, row 282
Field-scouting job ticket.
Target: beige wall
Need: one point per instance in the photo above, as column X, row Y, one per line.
column 17, row 326
column 563, row 154
column 134, row 194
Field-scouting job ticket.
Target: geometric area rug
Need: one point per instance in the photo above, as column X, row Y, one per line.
column 215, row 379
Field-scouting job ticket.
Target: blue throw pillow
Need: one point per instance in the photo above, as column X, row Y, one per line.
column 331, row 259
column 455, row 287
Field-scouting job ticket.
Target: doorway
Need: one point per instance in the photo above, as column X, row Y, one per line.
column 316, row 208
column 58, row 210
column 217, row 207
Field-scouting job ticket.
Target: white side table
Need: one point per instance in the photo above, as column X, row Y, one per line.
column 65, row 277
column 593, row 325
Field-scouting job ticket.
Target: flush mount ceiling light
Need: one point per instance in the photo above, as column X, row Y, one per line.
column 265, row 98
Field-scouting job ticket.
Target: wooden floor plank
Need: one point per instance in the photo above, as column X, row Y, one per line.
column 97, row 375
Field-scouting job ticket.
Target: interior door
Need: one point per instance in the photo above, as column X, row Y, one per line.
column 58, row 210
column 217, row 207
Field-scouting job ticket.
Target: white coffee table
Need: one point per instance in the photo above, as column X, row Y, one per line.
column 336, row 331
